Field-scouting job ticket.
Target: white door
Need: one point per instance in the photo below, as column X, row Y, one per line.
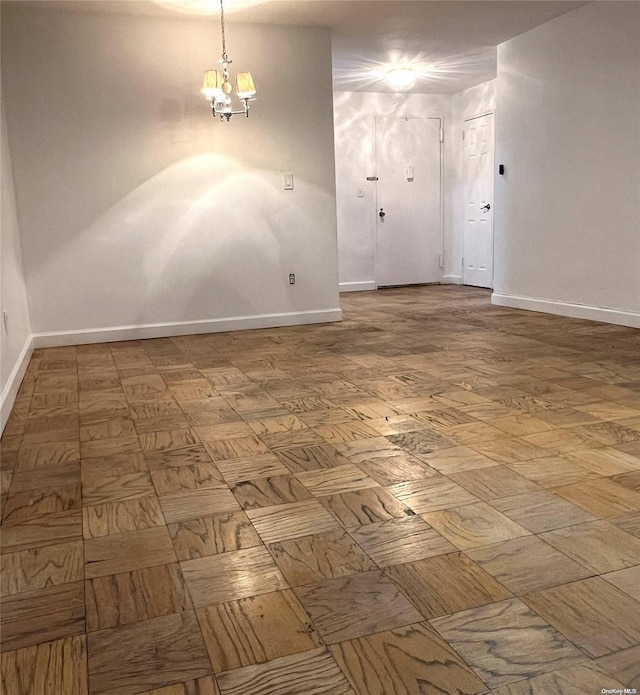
column 477, row 266
column 408, row 200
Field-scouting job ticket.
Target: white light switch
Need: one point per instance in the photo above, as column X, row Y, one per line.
column 360, row 192
column 287, row 180
column 408, row 172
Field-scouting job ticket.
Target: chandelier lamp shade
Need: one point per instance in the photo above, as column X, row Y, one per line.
column 218, row 89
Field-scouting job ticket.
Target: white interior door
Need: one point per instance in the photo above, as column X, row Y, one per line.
column 408, row 216
column 477, row 266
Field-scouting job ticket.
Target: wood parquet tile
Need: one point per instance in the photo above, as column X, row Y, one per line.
column 220, row 533
column 446, row 584
column 37, row 568
column 443, row 491
column 237, row 574
column 336, row 480
column 573, row 680
column 311, row 458
column 194, row 504
column 396, row 469
column 623, row 665
column 199, row 686
column 50, row 529
column 473, row 525
column 119, row 517
column 145, row 655
column 262, row 466
column 356, row 605
column 194, row 476
column 256, row 629
column 314, row 671
column 285, row 521
column 482, row 636
column 266, row 492
column 495, row 482
column 125, row 598
column 627, row 580
column 602, row 497
column 592, row 613
column 102, row 486
column 123, row 552
column 311, row 559
column 542, row 511
column 409, row 660
column 527, row 564
column 366, row 506
column 599, row 546
column 32, row 617
column 629, row 523
column 50, row 668
column 436, row 492
column 396, row 541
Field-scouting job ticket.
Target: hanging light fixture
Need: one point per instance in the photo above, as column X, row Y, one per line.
column 217, row 86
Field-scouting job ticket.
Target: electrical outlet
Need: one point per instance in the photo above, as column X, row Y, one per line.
column 292, row 278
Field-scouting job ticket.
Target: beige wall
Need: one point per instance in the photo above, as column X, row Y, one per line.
column 136, row 207
column 15, row 333
column 568, row 132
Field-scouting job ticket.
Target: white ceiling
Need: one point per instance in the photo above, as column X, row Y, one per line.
column 454, row 41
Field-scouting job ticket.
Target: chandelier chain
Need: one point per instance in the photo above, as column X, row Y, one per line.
column 224, row 41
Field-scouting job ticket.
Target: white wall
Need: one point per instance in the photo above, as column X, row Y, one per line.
column 475, row 101
column 15, row 338
column 136, row 207
column 354, row 114
column 568, row 209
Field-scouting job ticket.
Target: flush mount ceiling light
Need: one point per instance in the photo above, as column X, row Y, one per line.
column 401, row 77
column 217, row 85
column 205, row 7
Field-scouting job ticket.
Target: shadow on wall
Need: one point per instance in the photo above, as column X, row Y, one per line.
column 203, row 238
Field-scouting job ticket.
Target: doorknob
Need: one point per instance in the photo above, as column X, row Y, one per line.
column 382, row 213
column 486, row 207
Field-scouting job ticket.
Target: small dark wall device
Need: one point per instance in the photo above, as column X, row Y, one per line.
column 501, row 169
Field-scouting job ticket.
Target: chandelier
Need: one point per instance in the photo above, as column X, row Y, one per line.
column 218, row 89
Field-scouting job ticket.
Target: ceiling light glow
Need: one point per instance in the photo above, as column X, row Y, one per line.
column 401, row 77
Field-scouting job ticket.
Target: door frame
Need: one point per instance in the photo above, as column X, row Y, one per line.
column 374, row 168
column 491, row 113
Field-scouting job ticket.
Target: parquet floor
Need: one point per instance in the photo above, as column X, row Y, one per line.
column 433, row 496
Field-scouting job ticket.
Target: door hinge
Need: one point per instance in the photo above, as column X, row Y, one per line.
column 441, row 134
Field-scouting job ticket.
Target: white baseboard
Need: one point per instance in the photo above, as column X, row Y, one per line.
column 358, row 286
column 451, row 280
column 576, row 311
column 10, row 391
column 168, row 330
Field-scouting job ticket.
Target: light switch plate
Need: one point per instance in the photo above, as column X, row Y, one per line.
column 287, row 182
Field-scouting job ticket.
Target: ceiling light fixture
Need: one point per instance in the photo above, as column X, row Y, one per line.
column 401, row 77
column 217, row 86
